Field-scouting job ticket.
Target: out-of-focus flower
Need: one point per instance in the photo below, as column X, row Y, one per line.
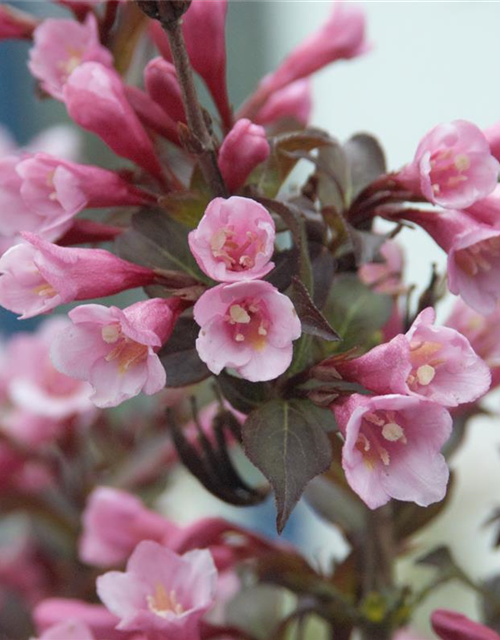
column 16, row 24
column 392, row 446
column 453, row 166
column 234, row 240
column 115, row 350
column 38, row 276
column 450, row 625
column 243, row 149
column 248, row 326
column 69, row 630
column 292, row 102
column 161, row 591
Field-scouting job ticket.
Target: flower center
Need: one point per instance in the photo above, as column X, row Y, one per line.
column 379, row 432
column 71, row 62
column 162, row 603
column 448, row 170
column 128, row 352
column 248, row 323
column 478, row 257
column 45, row 290
column 424, row 363
column 237, row 251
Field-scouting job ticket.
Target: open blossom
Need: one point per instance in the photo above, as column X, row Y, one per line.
column 453, row 166
column 38, row 276
column 114, row 522
column 96, row 100
column 163, row 86
column 248, row 326
column 292, row 102
column 437, row 363
column 234, row 240
column 243, row 149
column 392, row 446
column 451, row 625
column 62, row 45
column 115, row 350
column 161, row 591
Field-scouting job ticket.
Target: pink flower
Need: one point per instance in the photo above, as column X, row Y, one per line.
column 115, row 350
column 69, row 630
column 492, row 135
column 54, row 611
column 243, row 149
column 15, row 24
column 114, row 522
column 473, row 256
column 437, row 363
column 292, row 102
column 207, row 55
column 487, row 210
column 391, row 448
column 234, row 240
column 151, row 114
column 452, row 167
column 39, row 276
column 385, row 276
column 450, row 625
column 247, row 326
column 60, row 46
column 162, row 85
column 96, row 100
column 161, row 591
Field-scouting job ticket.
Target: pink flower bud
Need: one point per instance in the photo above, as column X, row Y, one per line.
column 114, row 522
column 453, row 166
column 16, row 24
column 151, row 114
column 450, row 625
column 204, row 32
column 234, row 240
column 161, row 591
column 54, row 611
column 248, row 326
column 162, row 85
column 96, row 100
column 437, row 363
column 115, row 350
column 292, row 102
column 38, row 276
column 243, row 149
column 392, row 446
column 60, row 46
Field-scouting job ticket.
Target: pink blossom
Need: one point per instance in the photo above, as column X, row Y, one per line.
column 243, row 149
column 16, row 24
column 114, row 522
column 437, row 363
column 60, row 46
column 487, row 210
column 161, row 591
column 96, row 100
column 69, row 630
column 473, row 255
column 39, row 276
column 385, row 276
column 54, row 611
column 392, row 446
column 208, row 56
column 234, row 240
column 452, row 167
column 60, row 141
column 162, row 85
column 292, row 102
column 492, row 135
column 247, row 326
column 450, row 625
column 151, row 114
column 115, row 350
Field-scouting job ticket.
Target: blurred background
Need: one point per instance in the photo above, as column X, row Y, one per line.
column 431, row 62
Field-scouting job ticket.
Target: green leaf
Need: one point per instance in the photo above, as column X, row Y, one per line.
column 158, row 241
column 180, row 358
column 244, row 396
column 288, row 444
column 356, row 311
column 186, row 207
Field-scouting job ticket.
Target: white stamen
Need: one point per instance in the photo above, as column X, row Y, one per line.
column 425, row 374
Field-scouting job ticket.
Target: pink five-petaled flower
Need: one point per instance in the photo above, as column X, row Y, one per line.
column 473, row 255
column 248, row 326
column 453, row 166
column 62, row 45
column 96, row 100
column 38, row 276
column 437, row 363
column 391, row 448
column 234, row 240
column 115, row 349
column 243, row 149
column 114, row 522
column 450, row 625
column 161, row 591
